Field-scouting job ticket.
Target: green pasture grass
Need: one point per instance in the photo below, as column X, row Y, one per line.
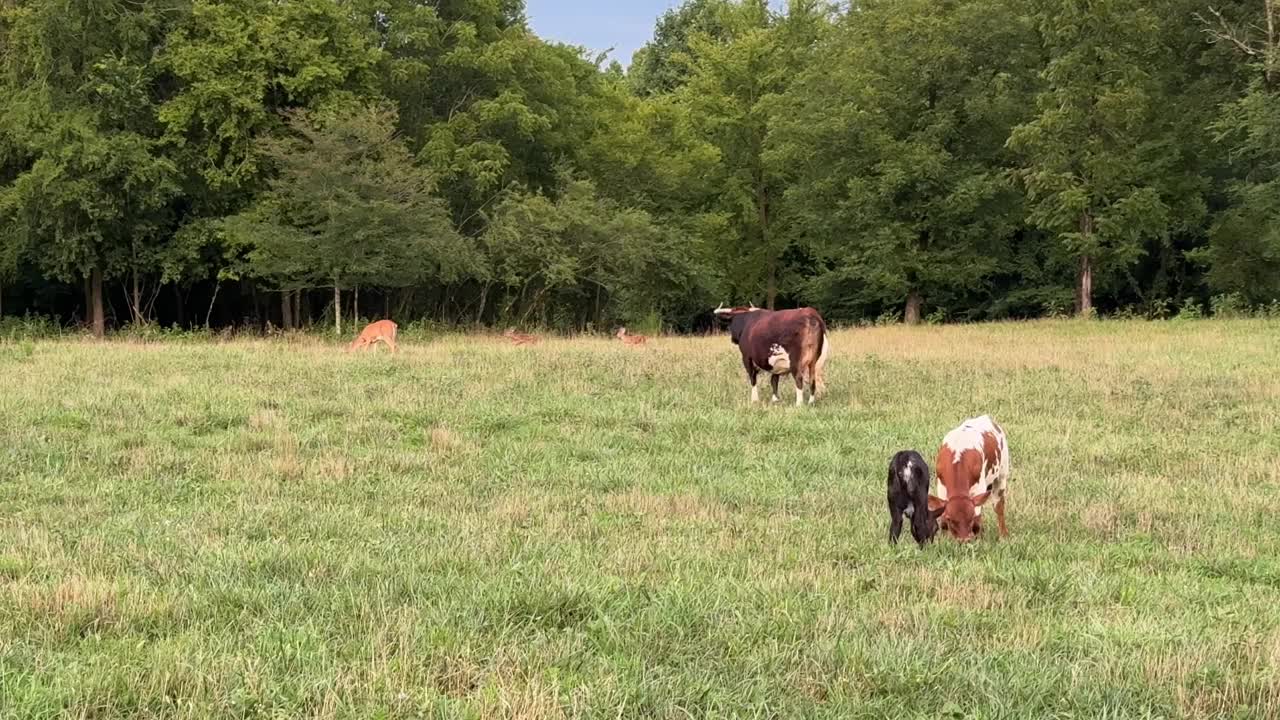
column 278, row 529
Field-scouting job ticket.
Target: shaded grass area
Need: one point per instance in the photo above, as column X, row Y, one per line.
column 581, row 529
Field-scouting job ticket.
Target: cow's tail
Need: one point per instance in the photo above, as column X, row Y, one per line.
column 819, row 381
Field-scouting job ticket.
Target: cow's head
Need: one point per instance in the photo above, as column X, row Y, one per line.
column 729, row 313
column 958, row 515
column 924, row 525
column 737, row 317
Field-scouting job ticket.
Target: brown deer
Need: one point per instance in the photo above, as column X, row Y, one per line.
column 633, row 340
column 379, row 331
column 517, row 338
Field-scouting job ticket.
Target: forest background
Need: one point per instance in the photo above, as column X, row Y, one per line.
column 256, row 163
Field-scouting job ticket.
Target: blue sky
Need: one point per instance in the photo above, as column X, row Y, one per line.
column 624, row 25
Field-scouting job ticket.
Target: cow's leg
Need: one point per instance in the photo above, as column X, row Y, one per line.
column 895, row 524
column 813, row 383
column 773, row 382
column 800, row 380
column 1004, row 529
column 753, row 376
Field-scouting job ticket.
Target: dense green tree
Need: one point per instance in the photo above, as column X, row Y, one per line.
column 239, row 65
column 1096, row 155
column 732, row 88
column 92, row 201
column 969, row 158
column 348, row 208
column 903, row 191
column 584, row 255
column 662, row 65
column 1243, row 255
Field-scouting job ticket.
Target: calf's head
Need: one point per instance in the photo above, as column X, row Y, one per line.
column 958, row 515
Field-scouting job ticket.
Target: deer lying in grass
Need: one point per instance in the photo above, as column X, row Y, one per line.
column 379, row 331
column 517, row 338
column 630, row 339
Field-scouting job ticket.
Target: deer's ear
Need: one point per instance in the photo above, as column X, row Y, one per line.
column 937, row 504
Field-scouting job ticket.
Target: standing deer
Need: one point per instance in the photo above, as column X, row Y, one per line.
column 375, row 332
column 630, row 339
column 520, row 338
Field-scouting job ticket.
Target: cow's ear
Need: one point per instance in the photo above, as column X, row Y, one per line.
column 981, row 500
column 937, row 504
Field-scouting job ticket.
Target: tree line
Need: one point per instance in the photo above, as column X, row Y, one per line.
column 244, row 162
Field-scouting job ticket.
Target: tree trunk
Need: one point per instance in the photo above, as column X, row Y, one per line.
column 1084, row 281
column 484, row 298
column 355, row 306
column 386, row 305
column 217, row 285
column 286, row 310
column 300, row 298
column 914, row 303
column 179, row 306
column 88, row 299
column 771, row 269
column 337, row 309
column 136, row 299
column 1084, row 288
column 1270, row 52
column 99, row 318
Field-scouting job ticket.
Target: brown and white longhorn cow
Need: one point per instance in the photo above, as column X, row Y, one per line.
column 972, row 470
column 780, row 342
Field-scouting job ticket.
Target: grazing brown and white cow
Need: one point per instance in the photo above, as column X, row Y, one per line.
column 972, row 469
column 780, row 342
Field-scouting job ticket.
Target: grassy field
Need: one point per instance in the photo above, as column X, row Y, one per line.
column 274, row 529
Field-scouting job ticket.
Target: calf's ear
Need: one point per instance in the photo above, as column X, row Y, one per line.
column 937, row 504
column 981, row 499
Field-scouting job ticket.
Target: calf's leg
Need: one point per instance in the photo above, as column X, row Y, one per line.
column 1004, row 529
column 895, row 524
column 773, row 381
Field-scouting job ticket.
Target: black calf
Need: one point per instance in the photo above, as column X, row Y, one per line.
column 909, row 495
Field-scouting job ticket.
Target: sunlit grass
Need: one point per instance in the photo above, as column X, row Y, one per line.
column 578, row 528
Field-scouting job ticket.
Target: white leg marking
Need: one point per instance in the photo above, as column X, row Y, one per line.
column 755, row 394
column 799, row 397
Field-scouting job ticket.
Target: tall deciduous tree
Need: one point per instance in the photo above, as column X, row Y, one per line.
column 1243, row 254
column 894, row 149
column 586, row 256
column 349, row 208
column 1094, row 154
column 731, row 89
column 662, row 65
column 81, row 106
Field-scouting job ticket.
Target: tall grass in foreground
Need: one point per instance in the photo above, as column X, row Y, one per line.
column 264, row 529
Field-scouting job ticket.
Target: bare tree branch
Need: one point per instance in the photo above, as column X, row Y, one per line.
column 1223, row 31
